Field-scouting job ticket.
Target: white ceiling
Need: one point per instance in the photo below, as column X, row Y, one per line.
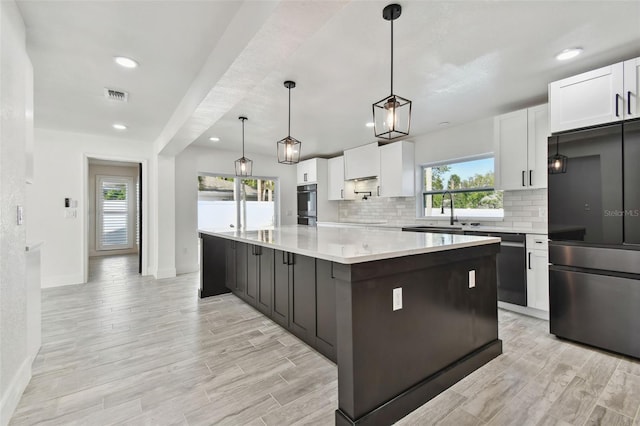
column 457, row 60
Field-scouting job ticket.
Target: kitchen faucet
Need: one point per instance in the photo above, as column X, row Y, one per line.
column 442, row 208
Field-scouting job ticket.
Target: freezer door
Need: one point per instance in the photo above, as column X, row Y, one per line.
column 598, row 310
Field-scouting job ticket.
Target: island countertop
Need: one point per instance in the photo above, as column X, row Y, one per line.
column 350, row 245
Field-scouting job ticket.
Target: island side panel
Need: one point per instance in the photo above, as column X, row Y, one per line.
column 383, row 353
column 212, row 266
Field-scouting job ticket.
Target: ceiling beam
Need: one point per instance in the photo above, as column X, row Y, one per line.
column 259, row 38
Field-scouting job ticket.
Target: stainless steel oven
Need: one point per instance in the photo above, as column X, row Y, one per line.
column 307, row 204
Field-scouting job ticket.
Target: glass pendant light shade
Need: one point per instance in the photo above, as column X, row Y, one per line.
column 557, row 163
column 244, row 166
column 289, row 147
column 392, row 115
column 289, row 150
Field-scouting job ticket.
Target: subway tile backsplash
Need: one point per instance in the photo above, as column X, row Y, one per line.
column 526, row 209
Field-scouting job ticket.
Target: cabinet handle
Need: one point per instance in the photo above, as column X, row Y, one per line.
column 529, row 260
column 378, row 190
column 285, row 261
column 305, row 175
column 523, row 182
column 617, row 105
column 629, row 102
column 293, row 258
column 530, row 177
column 342, row 193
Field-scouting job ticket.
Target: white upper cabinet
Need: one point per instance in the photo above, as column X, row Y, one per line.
column 520, row 149
column 601, row 96
column 338, row 188
column 397, row 170
column 307, row 171
column 631, row 86
column 362, row 162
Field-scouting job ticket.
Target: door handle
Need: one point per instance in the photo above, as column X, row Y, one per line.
column 530, row 177
column 629, row 102
column 529, row 260
column 523, row 182
column 342, row 193
column 617, row 105
column 378, row 190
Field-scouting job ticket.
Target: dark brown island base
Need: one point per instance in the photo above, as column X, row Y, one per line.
column 334, row 289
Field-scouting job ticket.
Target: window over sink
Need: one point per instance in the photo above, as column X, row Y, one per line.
column 471, row 185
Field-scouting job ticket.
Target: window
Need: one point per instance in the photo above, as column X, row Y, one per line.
column 226, row 202
column 116, row 213
column 470, row 183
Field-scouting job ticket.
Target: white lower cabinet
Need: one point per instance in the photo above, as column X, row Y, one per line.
column 537, row 272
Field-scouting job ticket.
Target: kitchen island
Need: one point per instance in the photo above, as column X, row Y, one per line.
column 404, row 315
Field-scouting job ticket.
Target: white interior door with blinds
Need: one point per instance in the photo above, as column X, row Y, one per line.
column 115, row 212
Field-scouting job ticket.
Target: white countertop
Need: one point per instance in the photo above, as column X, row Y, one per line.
column 350, row 245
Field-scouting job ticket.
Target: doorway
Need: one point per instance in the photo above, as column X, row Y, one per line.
column 114, row 219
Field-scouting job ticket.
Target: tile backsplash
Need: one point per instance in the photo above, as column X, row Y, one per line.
column 525, row 209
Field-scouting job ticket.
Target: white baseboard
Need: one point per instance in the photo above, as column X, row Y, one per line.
column 187, row 269
column 525, row 310
column 164, row 273
column 14, row 391
column 61, row 280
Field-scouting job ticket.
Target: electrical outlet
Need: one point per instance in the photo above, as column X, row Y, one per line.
column 397, row 298
column 472, row 278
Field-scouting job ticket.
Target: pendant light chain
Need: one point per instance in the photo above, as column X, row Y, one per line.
column 242, row 138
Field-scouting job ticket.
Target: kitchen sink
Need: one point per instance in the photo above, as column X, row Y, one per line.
column 436, row 229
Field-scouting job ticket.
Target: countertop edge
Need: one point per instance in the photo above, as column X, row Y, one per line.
column 357, row 259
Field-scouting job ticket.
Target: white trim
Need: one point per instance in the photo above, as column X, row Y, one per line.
column 164, row 273
column 187, row 269
column 84, row 207
column 525, row 310
column 62, row 280
column 11, row 397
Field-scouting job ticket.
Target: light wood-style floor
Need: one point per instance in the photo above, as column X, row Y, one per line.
column 125, row 349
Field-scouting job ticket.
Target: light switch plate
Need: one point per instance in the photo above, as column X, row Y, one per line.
column 472, row 278
column 397, row 298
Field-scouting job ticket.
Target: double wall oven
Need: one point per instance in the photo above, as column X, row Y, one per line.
column 307, row 204
column 594, row 233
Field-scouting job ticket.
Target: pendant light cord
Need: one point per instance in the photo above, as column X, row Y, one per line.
column 242, row 138
column 392, row 56
column 557, row 142
column 289, row 134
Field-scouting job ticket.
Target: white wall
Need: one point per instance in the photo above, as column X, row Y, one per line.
column 15, row 85
column 195, row 160
column 106, row 170
column 60, row 172
column 462, row 141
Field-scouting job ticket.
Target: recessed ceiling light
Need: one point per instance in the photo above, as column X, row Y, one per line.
column 569, row 53
column 370, row 124
column 123, row 61
column 119, row 126
column 214, row 139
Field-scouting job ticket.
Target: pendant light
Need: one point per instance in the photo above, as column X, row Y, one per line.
column 557, row 163
column 244, row 166
column 392, row 115
column 289, row 148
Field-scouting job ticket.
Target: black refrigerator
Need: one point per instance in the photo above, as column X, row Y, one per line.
column 594, row 237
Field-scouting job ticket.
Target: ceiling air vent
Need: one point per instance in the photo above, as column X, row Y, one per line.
column 116, row 95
